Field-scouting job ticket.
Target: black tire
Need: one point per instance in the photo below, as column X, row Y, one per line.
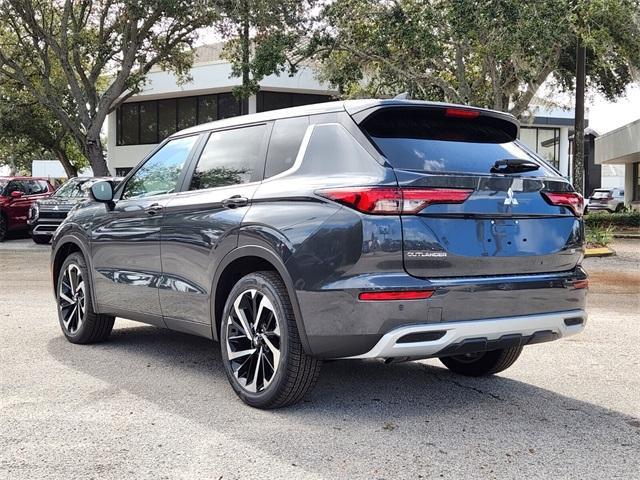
column 3, row 227
column 294, row 374
column 483, row 363
column 41, row 239
column 90, row 327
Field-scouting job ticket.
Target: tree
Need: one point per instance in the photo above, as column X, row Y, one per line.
column 103, row 49
column 28, row 131
column 490, row 53
column 263, row 37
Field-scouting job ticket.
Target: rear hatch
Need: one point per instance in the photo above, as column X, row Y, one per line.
column 477, row 202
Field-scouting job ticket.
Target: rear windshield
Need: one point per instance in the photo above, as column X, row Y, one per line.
column 602, row 194
column 427, row 140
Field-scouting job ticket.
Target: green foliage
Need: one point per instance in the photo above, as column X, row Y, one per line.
column 263, row 37
column 490, row 53
column 102, row 51
column 604, row 220
column 599, row 236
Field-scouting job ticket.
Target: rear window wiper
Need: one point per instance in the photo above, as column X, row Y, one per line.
column 514, row 165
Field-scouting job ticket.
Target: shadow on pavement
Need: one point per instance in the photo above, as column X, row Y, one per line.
column 409, row 410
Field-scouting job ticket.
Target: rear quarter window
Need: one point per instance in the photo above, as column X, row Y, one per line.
column 422, row 139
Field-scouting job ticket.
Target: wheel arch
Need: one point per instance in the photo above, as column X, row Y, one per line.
column 63, row 248
column 242, row 261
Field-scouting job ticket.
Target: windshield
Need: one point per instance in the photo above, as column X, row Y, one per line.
column 3, row 183
column 72, row 189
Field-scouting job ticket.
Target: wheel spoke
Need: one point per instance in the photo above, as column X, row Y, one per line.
column 73, row 279
column 265, row 303
column 65, row 298
column 274, row 351
column 243, row 318
column 242, row 353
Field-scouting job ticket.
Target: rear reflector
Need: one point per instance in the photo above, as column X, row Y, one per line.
column 571, row 200
column 394, row 201
column 400, row 295
column 581, row 283
column 461, row 113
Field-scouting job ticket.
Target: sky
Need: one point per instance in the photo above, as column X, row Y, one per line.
column 605, row 116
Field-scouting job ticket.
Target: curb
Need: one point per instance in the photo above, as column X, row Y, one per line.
column 627, row 235
column 599, row 252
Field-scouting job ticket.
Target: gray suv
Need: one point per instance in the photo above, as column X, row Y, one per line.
column 389, row 229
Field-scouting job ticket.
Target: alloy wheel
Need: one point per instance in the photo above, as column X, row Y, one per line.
column 72, row 298
column 253, row 341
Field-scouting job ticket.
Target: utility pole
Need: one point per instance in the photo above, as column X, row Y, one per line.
column 578, row 135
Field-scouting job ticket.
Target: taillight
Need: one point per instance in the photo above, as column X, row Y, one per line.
column 572, row 200
column 396, row 295
column 393, row 201
column 461, row 113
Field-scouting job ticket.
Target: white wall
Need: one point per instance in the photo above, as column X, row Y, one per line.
column 209, row 77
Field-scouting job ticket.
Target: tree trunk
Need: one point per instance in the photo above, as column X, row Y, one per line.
column 246, row 45
column 578, row 136
column 93, row 150
column 69, row 169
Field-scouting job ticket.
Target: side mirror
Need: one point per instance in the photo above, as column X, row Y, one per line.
column 16, row 194
column 102, row 192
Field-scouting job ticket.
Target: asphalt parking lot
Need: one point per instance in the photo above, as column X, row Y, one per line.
column 150, row 403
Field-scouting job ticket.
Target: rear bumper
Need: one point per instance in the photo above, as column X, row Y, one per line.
column 339, row 325
column 455, row 338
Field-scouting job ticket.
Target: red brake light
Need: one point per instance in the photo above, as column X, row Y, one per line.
column 394, row 201
column 400, row 295
column 461, row 113
column 572, row 200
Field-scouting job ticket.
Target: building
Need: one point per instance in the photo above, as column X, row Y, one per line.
column 622, row 147
column 166, row 106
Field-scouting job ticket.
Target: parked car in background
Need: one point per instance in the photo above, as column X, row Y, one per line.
column 45, row 215
column 388, row 229
column 16, row 196
column 606, row 199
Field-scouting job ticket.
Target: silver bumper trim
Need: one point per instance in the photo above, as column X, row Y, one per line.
column 456, row 332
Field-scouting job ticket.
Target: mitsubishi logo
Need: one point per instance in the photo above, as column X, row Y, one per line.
column 510, row 200
column 56, row 207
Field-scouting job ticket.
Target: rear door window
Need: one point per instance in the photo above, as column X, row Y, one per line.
column 231, row 157
column 427, row 140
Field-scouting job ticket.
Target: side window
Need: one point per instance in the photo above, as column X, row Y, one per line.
column 285, row 142
column 17, row 186
column 230, row 157
column 160, row 173
column 37, row 187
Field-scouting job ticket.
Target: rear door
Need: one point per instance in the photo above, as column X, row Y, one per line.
column 201, row 224
column 480, row 203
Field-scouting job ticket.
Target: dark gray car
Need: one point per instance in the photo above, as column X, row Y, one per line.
column 47, row 214
column 375, row 228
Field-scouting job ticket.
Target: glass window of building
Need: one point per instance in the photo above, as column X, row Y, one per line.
column 152, row 121
column 544, row 141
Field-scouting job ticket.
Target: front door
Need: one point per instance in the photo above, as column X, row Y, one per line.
column 125, row 238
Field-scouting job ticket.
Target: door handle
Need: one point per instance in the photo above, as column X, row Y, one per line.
column 153, row 209
column 235, row 201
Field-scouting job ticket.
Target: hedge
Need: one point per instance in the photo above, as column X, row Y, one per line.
column 603, row 219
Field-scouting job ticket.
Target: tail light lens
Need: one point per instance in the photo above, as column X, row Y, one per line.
column 581, row 283
column 397, row 295
column 393, row 201
column 572, row 200
column 461, row 113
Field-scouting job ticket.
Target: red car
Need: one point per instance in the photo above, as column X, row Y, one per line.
column 16, row 196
